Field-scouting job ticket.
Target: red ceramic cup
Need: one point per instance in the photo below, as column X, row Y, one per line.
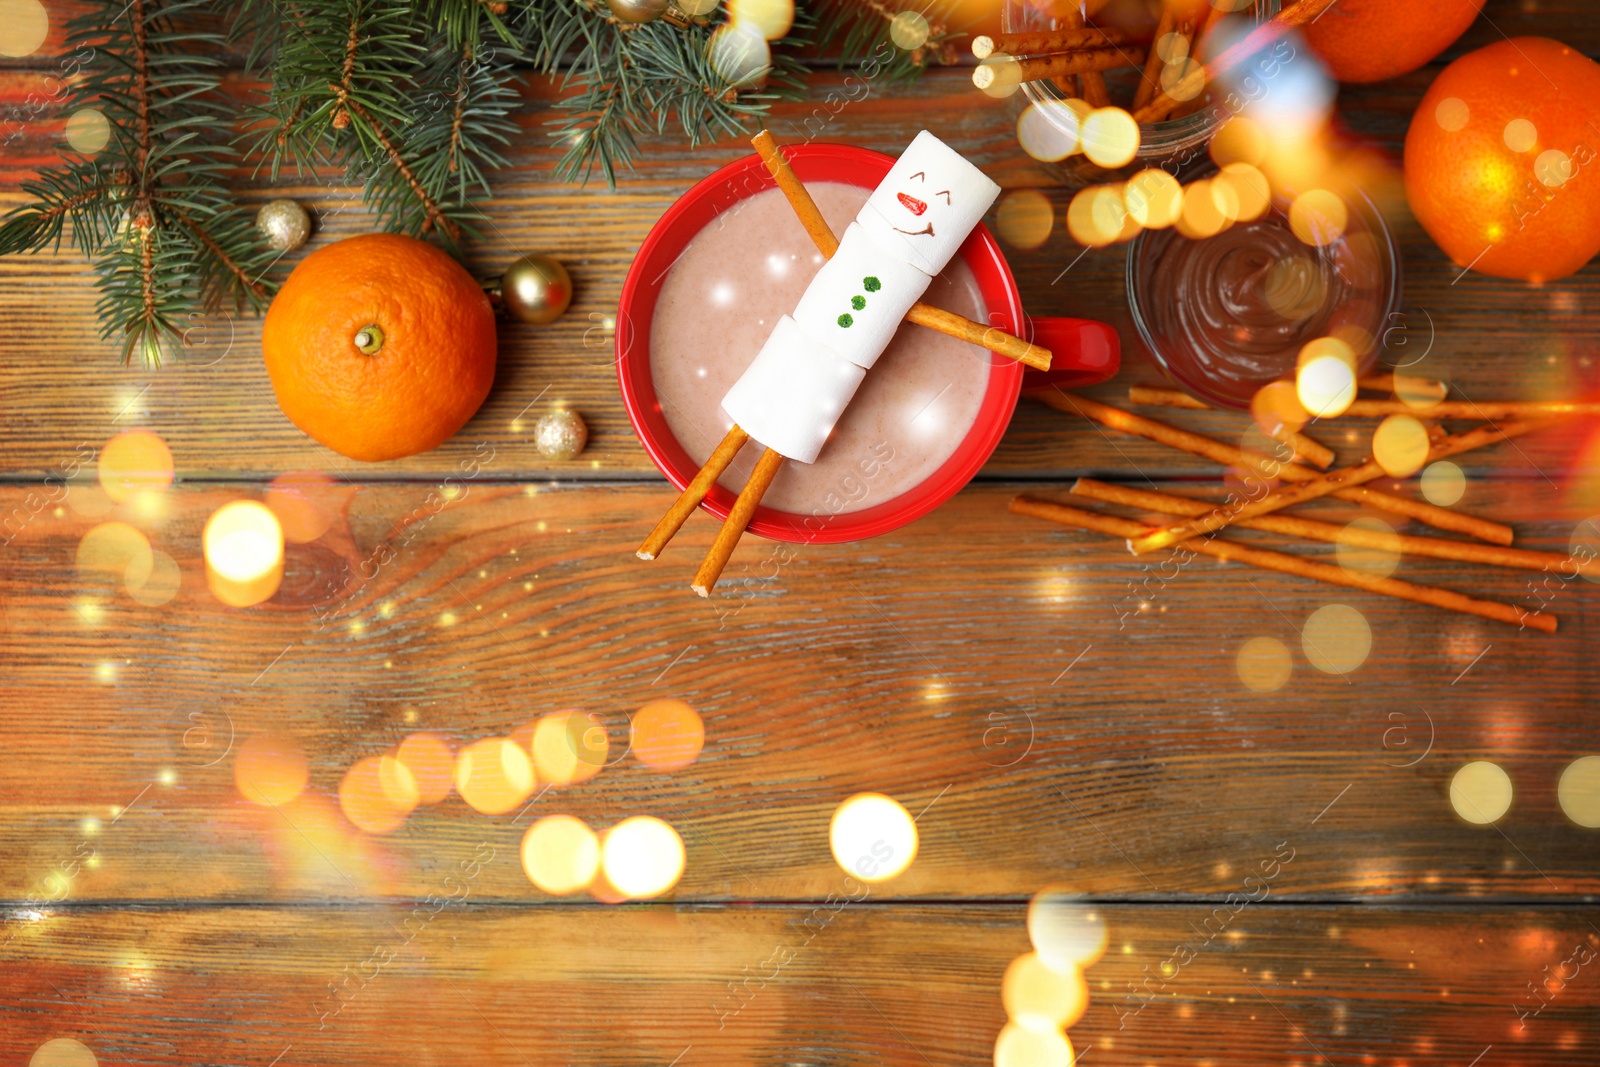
column 1085, row 352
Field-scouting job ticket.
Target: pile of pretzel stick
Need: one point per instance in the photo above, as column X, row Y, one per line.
column 1196, row 524
column 1075, row 55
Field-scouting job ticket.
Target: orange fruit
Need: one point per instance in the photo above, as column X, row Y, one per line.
column 1500, row 167
column 380, row 346
column 1370, row 40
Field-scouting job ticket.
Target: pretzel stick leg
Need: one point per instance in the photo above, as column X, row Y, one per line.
column 693, row 494
column 705, row 579
column 1232, row 551
column 946, row 322
column 1321, row 485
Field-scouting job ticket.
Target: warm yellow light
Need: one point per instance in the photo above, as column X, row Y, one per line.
column 163, row 583
column 1264, row 664
column 115, row 553
column 1520, row 135
column 1318, row 217
column 642, row 857
column 1154, row 198
column 1443, row 484
column 63, row 1052
column 1200, row 218
column 1110, row 137
column 1023, row 1046
column 667, row 735
column 1252, row 193
column 1419, row 393
column 568, row 747
column 1040, row 996
column 431, row 763
column 1480, row 792
column 243, row 546
column 1276, row 406
column 24, row 25
column 1400, row 445
column 1579, row 791
column 770, row 18
column 1325, row 386
column 1369, row 545
column 1336, row 639
column 399, row 785
column 1240, row 140
column 1025, row 218
column 494, row 775
column 1098, row 216
column 134, row 461
column 1295, row 287
column 873, row 837
column 1065, row 930
column 1049, row 129
column 365, row 802
column 270, row 769
column 560, row 854
column 305, row 502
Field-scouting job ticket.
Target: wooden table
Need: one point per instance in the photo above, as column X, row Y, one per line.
column 973, row 665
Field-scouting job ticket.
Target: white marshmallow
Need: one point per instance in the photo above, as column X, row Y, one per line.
column 792, row 393
column 858, row 299
column 927, row 204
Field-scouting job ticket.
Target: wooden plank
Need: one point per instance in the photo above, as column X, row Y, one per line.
column 867, row 984
column 216, row 406
column 1066, row 712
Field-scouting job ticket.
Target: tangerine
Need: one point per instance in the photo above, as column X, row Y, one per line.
column 1370, row 40
column 1499, row 160
column 380, row 346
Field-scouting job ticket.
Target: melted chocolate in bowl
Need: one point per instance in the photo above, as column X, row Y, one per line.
column 1226, row 315
column 719, row 302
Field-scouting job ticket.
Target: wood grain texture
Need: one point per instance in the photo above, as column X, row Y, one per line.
column 908, row 986
column 1067, row 712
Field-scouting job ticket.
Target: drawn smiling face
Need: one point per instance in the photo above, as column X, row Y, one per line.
column 917, row 206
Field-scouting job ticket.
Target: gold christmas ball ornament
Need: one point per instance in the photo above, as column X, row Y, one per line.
column 638, row 10
column 535, row 289
column 284, row 225
column 560, row 434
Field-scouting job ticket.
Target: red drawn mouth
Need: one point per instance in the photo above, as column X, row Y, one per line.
column 912, row 204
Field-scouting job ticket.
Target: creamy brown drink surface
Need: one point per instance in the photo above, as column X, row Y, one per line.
column 717, row 305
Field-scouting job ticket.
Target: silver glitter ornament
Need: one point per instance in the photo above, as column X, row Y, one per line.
column 536, row 289
column 284, row 224
column 560, row 434
column 638, row 10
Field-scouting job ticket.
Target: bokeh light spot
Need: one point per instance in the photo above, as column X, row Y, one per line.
column 1370, row 546
column 667, row 735
column 1276, row 406
column 1049, row 129
column 560, row 854
column 1318, row 217
column 1295, row 287
column 132, row 462
column 1336, row 639
column 1252, row 193
column 243, row 547
column 642, row 857
column 1553, row 168
column 305, row 504
column 1024, row 1046
column 1025, row 218
column 88, row 131
column 739, row 53
column 1452, row 114
column 1110, row 137
column 494, row 775
column 1200, row 218
column 1325, row 385
column 568, row 747
column 24, row 25
column 1400, row 445
column 1066, row 931
column 1154, row 198
column 1520, row 135
column 1183, row 78
column 770, row 18
column 1443, row 484
column 270, row 769
column 1240, row 140
column 1040, row 996
column 1480, row 792
column 909, row 30
column 60, row 1051
column 431, row 763
column 1579, row 791
column 366, row 803
column 162, row 583
column 116, row 554
column 873, row 837
column 1264, row 664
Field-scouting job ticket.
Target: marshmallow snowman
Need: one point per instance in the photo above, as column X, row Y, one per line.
column 793, row 393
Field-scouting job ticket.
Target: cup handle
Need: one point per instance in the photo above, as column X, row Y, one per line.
column 1083, row 352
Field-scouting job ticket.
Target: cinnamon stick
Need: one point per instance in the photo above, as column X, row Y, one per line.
column 1266, row 559
column 1315, row 530
column 1313, row 452
column 705, row 579
column 1232, row 456
column 1263, row 35
column 1059, row 64
column 947, row 322
column 693, row 493
column 1043, row 42
column 1321, row 485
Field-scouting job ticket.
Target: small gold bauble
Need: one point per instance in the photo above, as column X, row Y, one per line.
column 560, row 434
column 535, row 289
column 638, row 10
column 284, row 224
